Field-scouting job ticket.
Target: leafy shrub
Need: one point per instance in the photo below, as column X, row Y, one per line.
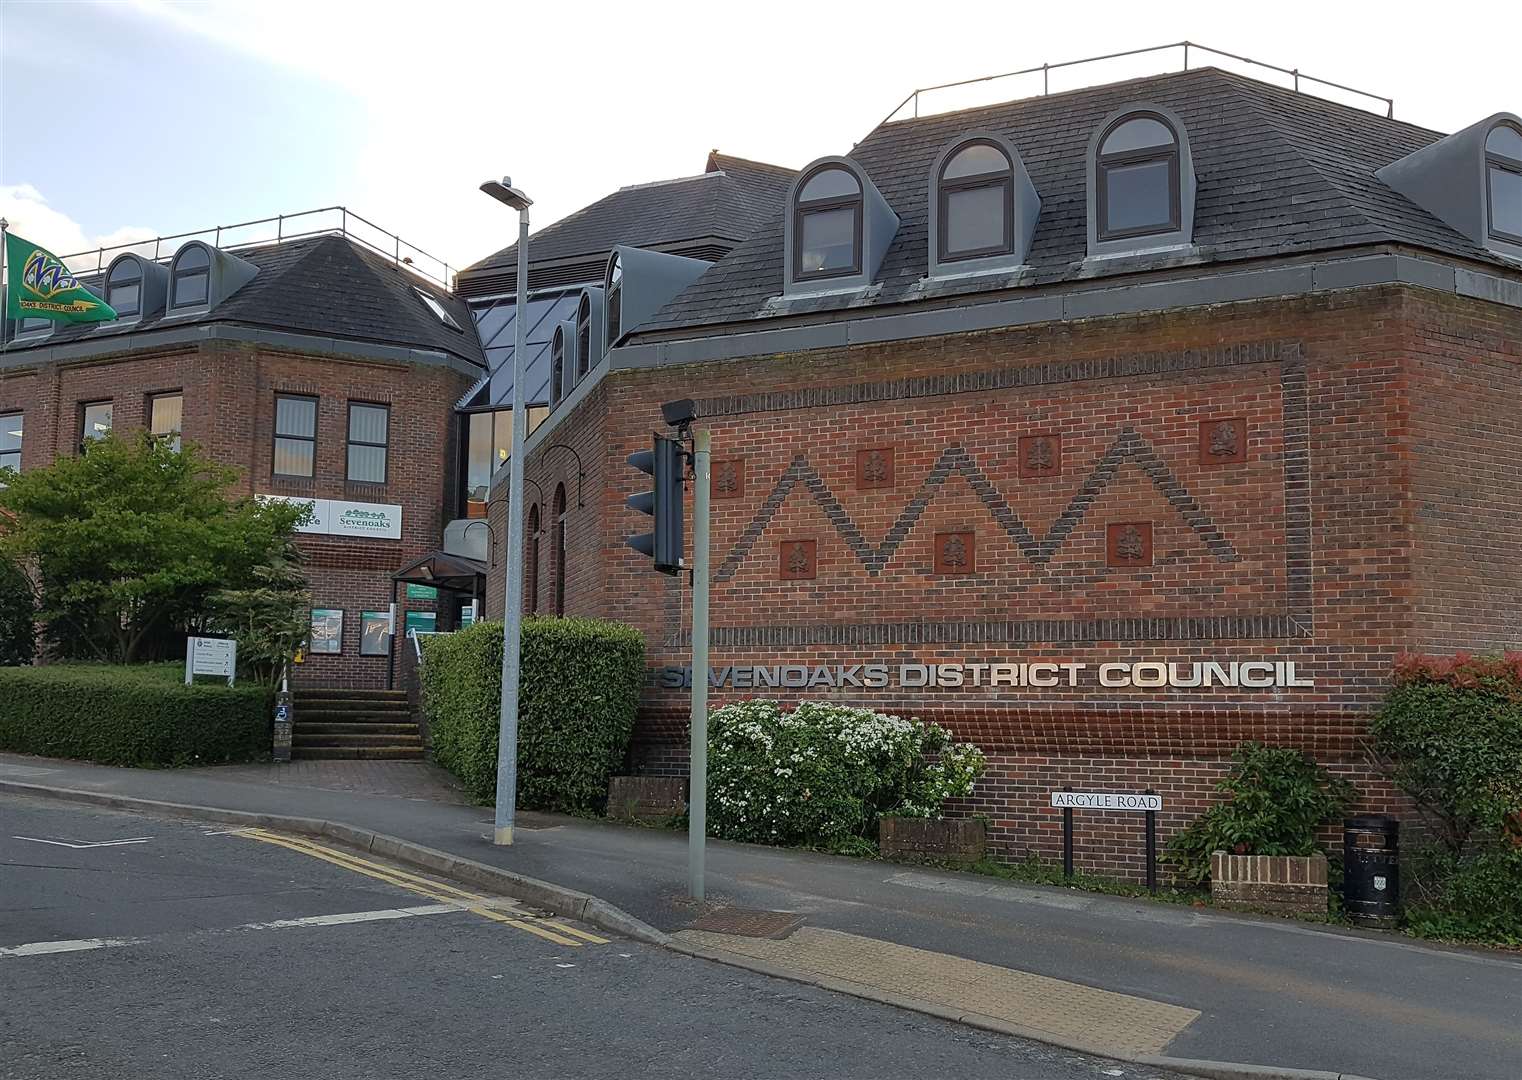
column 140, row 714
column 578, row 692
column 1474, row 898
column 824, row 773
column 18, row 615
column 1450, row 734
column 1279, row 798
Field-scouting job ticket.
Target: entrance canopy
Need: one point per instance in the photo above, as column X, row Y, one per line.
column 445, row 571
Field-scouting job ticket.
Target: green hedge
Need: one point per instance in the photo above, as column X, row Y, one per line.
column 581, row 681
column 139, row 714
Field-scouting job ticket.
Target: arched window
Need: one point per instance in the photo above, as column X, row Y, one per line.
column 1138, row 178
column 190, row 277
column 124, row 287
column 614, row 290
column 976, row 203
column 531, row 571
column 559, row 549
column 827, row 221
column 583, row 335
column 557, row 366
column 1503, row 181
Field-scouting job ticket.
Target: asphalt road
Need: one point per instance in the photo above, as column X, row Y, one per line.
column 134, row 946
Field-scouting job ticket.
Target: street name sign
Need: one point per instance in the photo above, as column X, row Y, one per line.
column 1106, row 800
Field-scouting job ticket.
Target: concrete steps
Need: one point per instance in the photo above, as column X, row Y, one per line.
column 355, row 724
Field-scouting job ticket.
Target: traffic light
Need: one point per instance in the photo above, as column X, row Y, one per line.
column 664, row 463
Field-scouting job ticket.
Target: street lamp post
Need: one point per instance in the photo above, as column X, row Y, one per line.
column 512, row 617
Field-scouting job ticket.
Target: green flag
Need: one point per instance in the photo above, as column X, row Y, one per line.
column 41, row 287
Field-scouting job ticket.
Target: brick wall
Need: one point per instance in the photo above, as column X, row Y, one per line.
column 1265, row 450
column 229, row 392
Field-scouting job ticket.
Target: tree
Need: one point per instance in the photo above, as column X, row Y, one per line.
column 268, row 617
column 130, row 538
column 18, row 616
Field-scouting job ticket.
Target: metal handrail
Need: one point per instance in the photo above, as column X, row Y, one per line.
column 1047, row 69
column 400, row 251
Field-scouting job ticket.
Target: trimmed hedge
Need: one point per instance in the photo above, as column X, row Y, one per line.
column 139, row 714
column 579, row 690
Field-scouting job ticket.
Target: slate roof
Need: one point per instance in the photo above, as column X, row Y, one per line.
column 327, row 286
column 1278, row 173
column 729, row 201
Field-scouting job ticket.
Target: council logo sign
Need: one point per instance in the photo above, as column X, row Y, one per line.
column 46, row 276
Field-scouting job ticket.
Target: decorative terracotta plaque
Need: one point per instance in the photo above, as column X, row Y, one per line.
column 798, row 561
column 1129, row 544
column 955, row 553
column 874, row 468
column 729, row 478
column 1040, row 456
column 1223, row 442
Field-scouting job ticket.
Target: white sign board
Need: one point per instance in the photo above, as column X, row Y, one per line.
column 210, row 656
column 335, row 517
column 1106, row 800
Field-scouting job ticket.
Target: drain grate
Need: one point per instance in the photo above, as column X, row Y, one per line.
column 749, row 922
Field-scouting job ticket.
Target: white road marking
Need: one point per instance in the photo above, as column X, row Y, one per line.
column 82, row 846
column 40, row 948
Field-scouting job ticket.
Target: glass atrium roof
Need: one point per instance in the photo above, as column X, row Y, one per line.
column 494, row 322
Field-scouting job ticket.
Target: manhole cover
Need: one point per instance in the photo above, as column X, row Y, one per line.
column 748, row 922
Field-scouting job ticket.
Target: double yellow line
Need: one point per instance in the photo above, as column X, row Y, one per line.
column 474, row 903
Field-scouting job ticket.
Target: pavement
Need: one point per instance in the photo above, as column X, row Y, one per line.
column 143, row 946
column 1196, row 985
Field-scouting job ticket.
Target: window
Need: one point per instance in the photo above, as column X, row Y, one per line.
column 557, row 365
column 95, row 421
column 190, row 277
column 439, row 311
column 827, row 224
column 295, row 435
column 124, row 287
column 615, row 302
column 1137, row 177
column 10, row 440
column 1503, row 181
column 583, row 336
column 368, row 430
column 559, row 553
column 33, row 326
column 531, row 572
column 489, row 443
column 977, row 202
column 165, row 413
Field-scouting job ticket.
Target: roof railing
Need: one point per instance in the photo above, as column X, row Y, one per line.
column 1045, row 71
column 280, row 229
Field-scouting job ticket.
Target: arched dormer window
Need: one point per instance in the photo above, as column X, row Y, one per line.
column 189, row 278
column 983, row 207
column 124, row 287
column 1503, row 182
column 613, row 289
column 557, row 365
column 976, row 209
column 827, row 224
column 583, row 335
column 559, row 549
column 1141, row 183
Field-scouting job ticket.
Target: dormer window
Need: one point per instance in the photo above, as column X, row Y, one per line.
column 557, row 365
column 124, row 288
column 614, row 290
column 584, row 335
column 1503, row 182
column 1138, row 176
column 190, row 278
column 827, row 219
column 977, row 202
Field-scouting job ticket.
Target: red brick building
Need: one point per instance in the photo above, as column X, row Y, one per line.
column 1156, row 417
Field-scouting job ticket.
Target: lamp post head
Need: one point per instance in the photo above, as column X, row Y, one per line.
column 504, row 192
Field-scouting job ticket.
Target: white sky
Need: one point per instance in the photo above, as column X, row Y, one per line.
column 123, row 119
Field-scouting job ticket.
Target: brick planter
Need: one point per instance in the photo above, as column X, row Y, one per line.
column 1288, row 884
column 646, row 798
column 959, row 840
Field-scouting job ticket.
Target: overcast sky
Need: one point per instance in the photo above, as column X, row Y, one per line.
column 124, row 119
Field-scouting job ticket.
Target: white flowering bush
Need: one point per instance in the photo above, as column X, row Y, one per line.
column 823, row 773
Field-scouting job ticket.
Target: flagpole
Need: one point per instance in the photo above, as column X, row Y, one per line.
column 5, row 339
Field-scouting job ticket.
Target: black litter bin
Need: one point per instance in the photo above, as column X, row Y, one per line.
column 1371, row 869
